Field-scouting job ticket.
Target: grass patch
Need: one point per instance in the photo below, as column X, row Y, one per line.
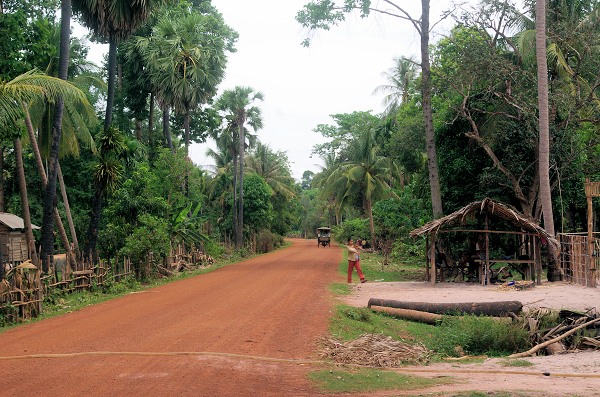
column 455, row 336
column 339, row 289
column 365, row 380
column 374, row 270
column 477, row 336
column 517, row 363
column 348, row 323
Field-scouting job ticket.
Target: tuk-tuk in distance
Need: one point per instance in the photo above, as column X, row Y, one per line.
column 324, row 236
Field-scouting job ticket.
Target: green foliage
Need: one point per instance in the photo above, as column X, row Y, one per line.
column 353, row 228
column 348, row 323
column 396, row 217
column 152, row 235
column 478, row 335
column 186, row 225
column 258, row 210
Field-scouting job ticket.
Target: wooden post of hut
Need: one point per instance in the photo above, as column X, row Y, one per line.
column 433, row 270
column 592, row 189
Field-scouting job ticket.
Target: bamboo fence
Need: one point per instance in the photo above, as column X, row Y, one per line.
column 575, row 262
column 24, row 287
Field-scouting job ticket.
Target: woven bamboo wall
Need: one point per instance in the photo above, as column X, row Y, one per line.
column 574, row 260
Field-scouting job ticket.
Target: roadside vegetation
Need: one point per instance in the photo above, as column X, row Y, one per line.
column 454, row 336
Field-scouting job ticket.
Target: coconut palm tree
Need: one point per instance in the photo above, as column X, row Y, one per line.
column 365, row 174
column 47, row 238
column 273, row 168
column 400, row 84
column 28, row 88
column 240, row 109
column 544, row 127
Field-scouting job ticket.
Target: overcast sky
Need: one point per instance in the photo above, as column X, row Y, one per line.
column 302, row 86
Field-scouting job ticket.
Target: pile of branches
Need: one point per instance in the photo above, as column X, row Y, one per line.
column 575, row 331
column 375, row 350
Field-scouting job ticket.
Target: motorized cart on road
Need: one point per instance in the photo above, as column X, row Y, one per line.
column 324, row 236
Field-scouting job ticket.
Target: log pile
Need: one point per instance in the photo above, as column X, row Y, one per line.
column 375, row 350
column 576, row 331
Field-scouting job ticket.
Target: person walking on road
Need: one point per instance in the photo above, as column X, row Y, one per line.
column 354, row 262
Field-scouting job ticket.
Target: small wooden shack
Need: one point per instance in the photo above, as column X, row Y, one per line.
column 13, row 245
column 482, row 218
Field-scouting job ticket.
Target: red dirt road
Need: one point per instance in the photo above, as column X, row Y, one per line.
column 275, row 306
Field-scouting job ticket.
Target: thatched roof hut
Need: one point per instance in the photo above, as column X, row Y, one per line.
column 487, row 212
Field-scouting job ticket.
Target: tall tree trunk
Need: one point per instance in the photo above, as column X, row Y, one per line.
column 371, row 223
column 90, row 247
column 186, row 128
column 2, row 205
column 544, row 143
column 40, row 166
column 63, row 191
column 240, row 231
column 138, row 129
column 151, row 121
column 112, row 69
column 166, row 132
column 432, row 164
column 544, row 131
column 47, row 239
column 236, row 224
column 25, row 202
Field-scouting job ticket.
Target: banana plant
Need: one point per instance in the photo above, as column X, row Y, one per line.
column 185, row 226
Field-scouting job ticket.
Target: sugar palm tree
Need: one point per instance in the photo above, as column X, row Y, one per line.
column 240, row 109
column 113, row 20
column 186, row 61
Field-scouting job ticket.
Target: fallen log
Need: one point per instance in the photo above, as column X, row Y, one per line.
column 407, row 314
column 496, row 309
column 423, row 317
column 536, row 348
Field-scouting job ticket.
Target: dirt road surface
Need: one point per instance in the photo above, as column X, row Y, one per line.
column 249, row 329
column 275, row 306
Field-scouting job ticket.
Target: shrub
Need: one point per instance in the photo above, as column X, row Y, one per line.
column 353, row 228
column 267, row 241
column 478, row 335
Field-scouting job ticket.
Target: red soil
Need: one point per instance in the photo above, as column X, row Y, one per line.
column 274, row 306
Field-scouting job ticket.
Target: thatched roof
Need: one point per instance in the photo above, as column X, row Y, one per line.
column 477, row 208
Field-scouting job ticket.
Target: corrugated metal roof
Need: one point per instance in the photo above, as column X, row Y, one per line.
column 13, row 221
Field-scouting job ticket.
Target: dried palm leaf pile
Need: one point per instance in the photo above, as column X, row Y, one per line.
column 575, row 331
column 515, row 285
column 375, row 350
